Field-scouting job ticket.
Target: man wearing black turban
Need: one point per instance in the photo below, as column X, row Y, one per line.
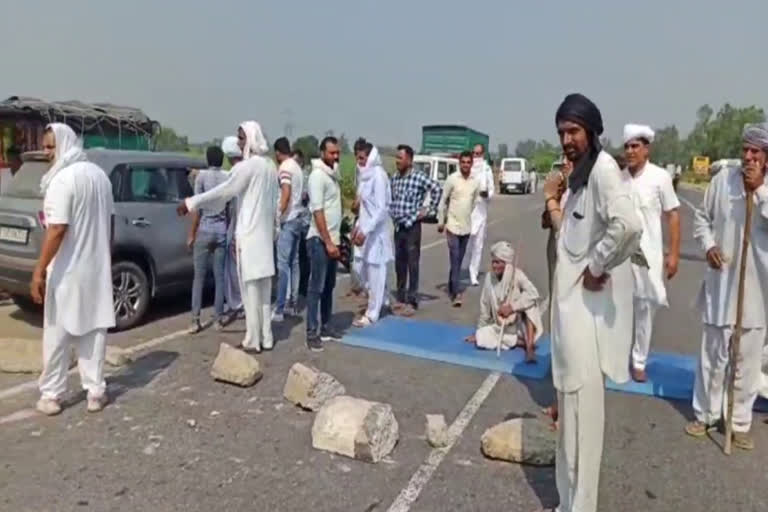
column 591, row 296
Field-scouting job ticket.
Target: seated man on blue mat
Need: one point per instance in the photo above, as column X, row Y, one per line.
column 509, row 307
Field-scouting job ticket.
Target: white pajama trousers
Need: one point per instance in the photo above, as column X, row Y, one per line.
column 645, row 310
column 375, row 278
column 580, row 441
column 711, row 386
column 475, row 250
column 90, row 348
column 258, row 313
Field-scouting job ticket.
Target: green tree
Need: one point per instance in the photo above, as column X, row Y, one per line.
column 168, row 140
column 667, row 147
column 309, row 145
column 503, row 151
column 525, row 148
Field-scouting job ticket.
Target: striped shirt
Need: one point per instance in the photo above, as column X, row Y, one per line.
column 408, row 194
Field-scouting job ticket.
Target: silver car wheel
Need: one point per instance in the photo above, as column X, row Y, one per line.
column 126, row 293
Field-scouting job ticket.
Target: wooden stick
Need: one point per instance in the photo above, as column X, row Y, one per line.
column 733, row 348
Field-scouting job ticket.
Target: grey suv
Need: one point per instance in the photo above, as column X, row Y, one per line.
column 150, row 256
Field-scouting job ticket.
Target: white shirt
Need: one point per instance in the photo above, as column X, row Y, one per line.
column 254, row 183
column 599, row 229
column 291, row 174
column 653, row 195
column 720, row 222
column 79, row 285
column 483, row 174
column 324, row 194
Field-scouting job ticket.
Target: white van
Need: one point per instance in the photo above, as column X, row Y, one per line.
column 515, row 176
column 436, row 167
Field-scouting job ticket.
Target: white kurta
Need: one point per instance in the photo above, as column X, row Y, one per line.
column 483, row 173
column 254, row 183
column 78, row 299
column 601, row 229
column 720, row 222
column 653, row 195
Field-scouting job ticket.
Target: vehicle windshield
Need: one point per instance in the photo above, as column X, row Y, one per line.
column 26, row 182
column 512, row 165
column 424, row 167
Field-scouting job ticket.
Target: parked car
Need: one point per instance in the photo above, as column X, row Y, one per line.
column 150, row 256
column 436, row 167
column 515, row 176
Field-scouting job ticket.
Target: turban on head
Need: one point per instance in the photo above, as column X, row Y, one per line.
column 757, row 135
column 579, row 109
column 638, row 131
column 69, row 150
column 255, row 142
column 503, row 251
column 230, row 148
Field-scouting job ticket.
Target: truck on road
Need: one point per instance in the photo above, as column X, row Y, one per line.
column 451, row 140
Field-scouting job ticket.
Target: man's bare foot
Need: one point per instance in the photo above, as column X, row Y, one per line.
column 551, row 411
column 470, row 339
column 639, row 375
column 530, row 357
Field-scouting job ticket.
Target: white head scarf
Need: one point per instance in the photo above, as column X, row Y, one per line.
column 757, row 135
column 638, row 131
column 230, row 148
column 69, row 150
column 373, row 161
column 503, row 293
column 255, row 142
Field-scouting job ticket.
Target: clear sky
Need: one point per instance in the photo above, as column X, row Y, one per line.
column 382, row 69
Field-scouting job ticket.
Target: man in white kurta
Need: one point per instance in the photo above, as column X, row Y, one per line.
column 654, row 197
column 483, row 174
column 373, row 234
column 592, row 297
column 509, row 306
column 719, row 230
column 253, row 182
column 73, row 276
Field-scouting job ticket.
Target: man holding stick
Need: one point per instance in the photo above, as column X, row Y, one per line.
column 719, row 228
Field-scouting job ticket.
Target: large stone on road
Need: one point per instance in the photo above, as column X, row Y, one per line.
column 356, row 428
column 18, row 355
column 310, row 388
column 235, row 366
column 436, row 430
column 116, row 356
column 522, row 440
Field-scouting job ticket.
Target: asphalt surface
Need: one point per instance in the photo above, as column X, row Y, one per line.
column 250, row 450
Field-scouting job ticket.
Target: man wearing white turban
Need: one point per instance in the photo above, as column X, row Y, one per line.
column 73, row 276
column 254, row 183
column 483, row 174
column 509, row 302
column 719, row 230
column 654, row 196
column 372, row 233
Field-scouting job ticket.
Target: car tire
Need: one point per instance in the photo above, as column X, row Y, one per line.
column 131, row 294
column 26, row 304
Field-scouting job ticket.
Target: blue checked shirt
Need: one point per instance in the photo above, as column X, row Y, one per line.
column 408, row 193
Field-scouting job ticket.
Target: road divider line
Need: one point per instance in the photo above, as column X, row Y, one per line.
column 423, row 474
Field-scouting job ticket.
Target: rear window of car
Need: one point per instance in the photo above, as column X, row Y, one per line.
column 424, row 167
column 26, row 181
column 512, row 165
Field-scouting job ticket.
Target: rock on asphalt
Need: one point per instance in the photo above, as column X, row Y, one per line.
column 522, row 440
column 235, row 367
column 356, row 428
column 310, row 388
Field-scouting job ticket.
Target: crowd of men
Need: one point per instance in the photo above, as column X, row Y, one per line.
column 606, row 252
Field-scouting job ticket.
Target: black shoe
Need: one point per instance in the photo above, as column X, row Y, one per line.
column 315, row 344
column 328, row 333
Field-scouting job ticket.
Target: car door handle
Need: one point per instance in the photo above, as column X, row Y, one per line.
column 141, row 222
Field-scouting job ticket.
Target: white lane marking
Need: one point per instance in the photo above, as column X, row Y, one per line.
column 18, row 416
column 411, row 492
column 32, row 384
column 688, row 203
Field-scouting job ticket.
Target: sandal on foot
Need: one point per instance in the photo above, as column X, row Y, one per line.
column 698, row 428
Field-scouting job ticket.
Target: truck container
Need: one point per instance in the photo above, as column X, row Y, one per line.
column 450, row 140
